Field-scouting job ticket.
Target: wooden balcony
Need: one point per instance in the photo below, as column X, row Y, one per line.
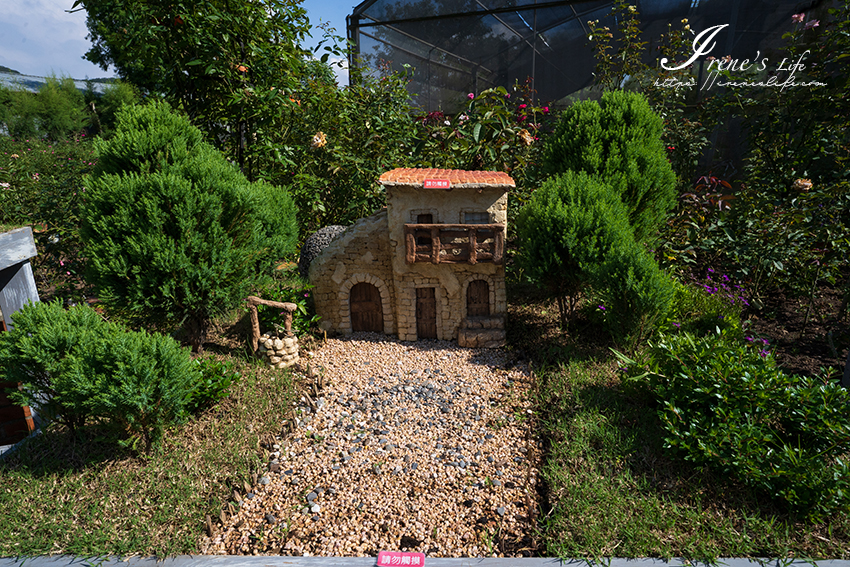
column 454, row 243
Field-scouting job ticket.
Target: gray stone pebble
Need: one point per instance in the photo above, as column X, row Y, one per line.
column 379, row 421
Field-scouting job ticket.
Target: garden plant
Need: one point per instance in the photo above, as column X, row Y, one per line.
column 173, row 233
column 720, row 277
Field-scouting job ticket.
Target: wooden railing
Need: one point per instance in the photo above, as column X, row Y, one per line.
column 454, row 243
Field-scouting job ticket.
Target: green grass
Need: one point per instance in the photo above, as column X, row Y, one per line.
column 83, row 495
column 611, row 489
column 9, row 227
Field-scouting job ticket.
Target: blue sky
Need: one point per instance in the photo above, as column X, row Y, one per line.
column 39, row 37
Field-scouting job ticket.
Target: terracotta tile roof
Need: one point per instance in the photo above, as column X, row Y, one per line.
column 458, row 177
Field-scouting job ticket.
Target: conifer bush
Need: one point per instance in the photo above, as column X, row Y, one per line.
column 43, row 350
column 574, row 233
column 174, row 234
column 75, row 367
column 635, row 293
column 619, row 140
column 567, row 229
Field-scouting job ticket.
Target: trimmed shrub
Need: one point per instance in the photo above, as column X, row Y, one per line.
column 567, row 229
column 174, row 234
column 636, row 293
column 726, row 405
column 147, row 139
column 619, row 140
column 75, row 366
column 44, row 350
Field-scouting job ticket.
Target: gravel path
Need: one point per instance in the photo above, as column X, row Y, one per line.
column 411, row 446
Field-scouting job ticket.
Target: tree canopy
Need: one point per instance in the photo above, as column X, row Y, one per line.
column 217, row 60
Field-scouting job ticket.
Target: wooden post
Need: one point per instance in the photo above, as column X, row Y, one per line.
column 436, row 246
column 498, row 247
column 410, row 245
column 473, row 245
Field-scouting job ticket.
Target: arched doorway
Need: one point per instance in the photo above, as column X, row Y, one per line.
column 478, row 299
column 367, row 313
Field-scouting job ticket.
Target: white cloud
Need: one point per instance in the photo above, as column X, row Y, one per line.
column 340, row 67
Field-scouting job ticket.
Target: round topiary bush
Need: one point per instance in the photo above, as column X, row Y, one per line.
column 574, row 234
column 174, row 234
column 567, row 229
column 619, row 140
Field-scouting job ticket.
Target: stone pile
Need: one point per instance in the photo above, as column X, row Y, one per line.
column 279, row 352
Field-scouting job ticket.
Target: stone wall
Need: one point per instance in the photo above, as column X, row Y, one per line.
column 360, row 254
column 450, row 280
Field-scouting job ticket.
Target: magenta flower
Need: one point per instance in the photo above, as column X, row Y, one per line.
column 811, row 24
column 798, row 18
column 601, row 307
column 470, row 96
column 522, row 106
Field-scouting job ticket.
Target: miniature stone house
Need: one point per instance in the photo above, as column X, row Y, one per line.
column 430, row 265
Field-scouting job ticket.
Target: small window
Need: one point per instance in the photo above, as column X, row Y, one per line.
column 476, row 218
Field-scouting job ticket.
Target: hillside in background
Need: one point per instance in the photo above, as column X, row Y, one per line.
column 13, row 79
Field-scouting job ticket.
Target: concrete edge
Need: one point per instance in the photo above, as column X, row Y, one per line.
column 284, row 561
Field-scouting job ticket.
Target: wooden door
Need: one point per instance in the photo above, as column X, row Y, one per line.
column 478, row 299
column 426, row 313
column 366, row 311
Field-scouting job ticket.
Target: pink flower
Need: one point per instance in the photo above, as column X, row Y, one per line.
column 545, row 110
column 522, row 106
column 470, row 96
column 811, row 24
column 798, row 18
